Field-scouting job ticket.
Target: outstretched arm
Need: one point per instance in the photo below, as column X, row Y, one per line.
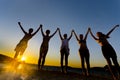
column 111, row 30
column 37, row 30
column 22, row 28
column 92, row 34
column 76, row 35
column 42, row 31
column 86, row 34
column 60, row 34
column 54, row 33
column 70, row 35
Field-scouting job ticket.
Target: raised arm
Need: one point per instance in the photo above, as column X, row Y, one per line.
column 22, row 28
column 86, row 34
column 60, row 34
column 42, row 31
column 37, row 30
column 54, row 33
column 112, row 30
column 70, row 35
column 92, row 34
column 76, row 35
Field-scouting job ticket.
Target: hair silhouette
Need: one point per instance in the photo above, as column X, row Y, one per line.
column 107, row 50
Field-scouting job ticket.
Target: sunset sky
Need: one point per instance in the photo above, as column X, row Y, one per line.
column 100, row 15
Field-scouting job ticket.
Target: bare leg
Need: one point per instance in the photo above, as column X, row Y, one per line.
column 16, row 54
column 88, row 65
column 43, row 61
column 39, row 62
column 40, row 58
column 116, row 64
column 15, row 63
column 83, row 66
column 66, row 62
column 61, row 61
column 21, row 55
column 110, row 68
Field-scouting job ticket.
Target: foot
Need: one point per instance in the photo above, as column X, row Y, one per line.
column 83, row 73
column 62, row 70
column 39, row 68
column 88, row 74
column 65, row 71
column 114, row 78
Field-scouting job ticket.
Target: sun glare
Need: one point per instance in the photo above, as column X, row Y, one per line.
column 23, row 59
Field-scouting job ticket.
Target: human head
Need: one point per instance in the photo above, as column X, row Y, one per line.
column 65, row 36
column 47, row 32
column 30, row 30
column 100, row 34
column 81, row 36
column 41, row 25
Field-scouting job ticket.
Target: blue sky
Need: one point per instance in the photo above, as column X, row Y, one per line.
column 100, row 15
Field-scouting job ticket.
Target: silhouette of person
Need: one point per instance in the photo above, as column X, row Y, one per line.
column 64, row 50
column 22, row 45
column 84, row 52
column 44, row 47
column 107, row 50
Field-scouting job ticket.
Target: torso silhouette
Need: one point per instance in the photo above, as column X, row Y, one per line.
column 45, row 42
column 82, row 45
column 26, row 38
column 102, row 41
column 65, row 44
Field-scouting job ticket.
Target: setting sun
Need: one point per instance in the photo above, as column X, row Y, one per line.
column 23, row 59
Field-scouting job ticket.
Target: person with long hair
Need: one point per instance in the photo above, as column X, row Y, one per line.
column 107, row 50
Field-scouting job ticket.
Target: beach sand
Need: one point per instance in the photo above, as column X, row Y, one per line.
column 31, row 73
column 48, row 75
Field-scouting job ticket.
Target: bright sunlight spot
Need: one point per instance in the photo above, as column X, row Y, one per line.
column 23, row 59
